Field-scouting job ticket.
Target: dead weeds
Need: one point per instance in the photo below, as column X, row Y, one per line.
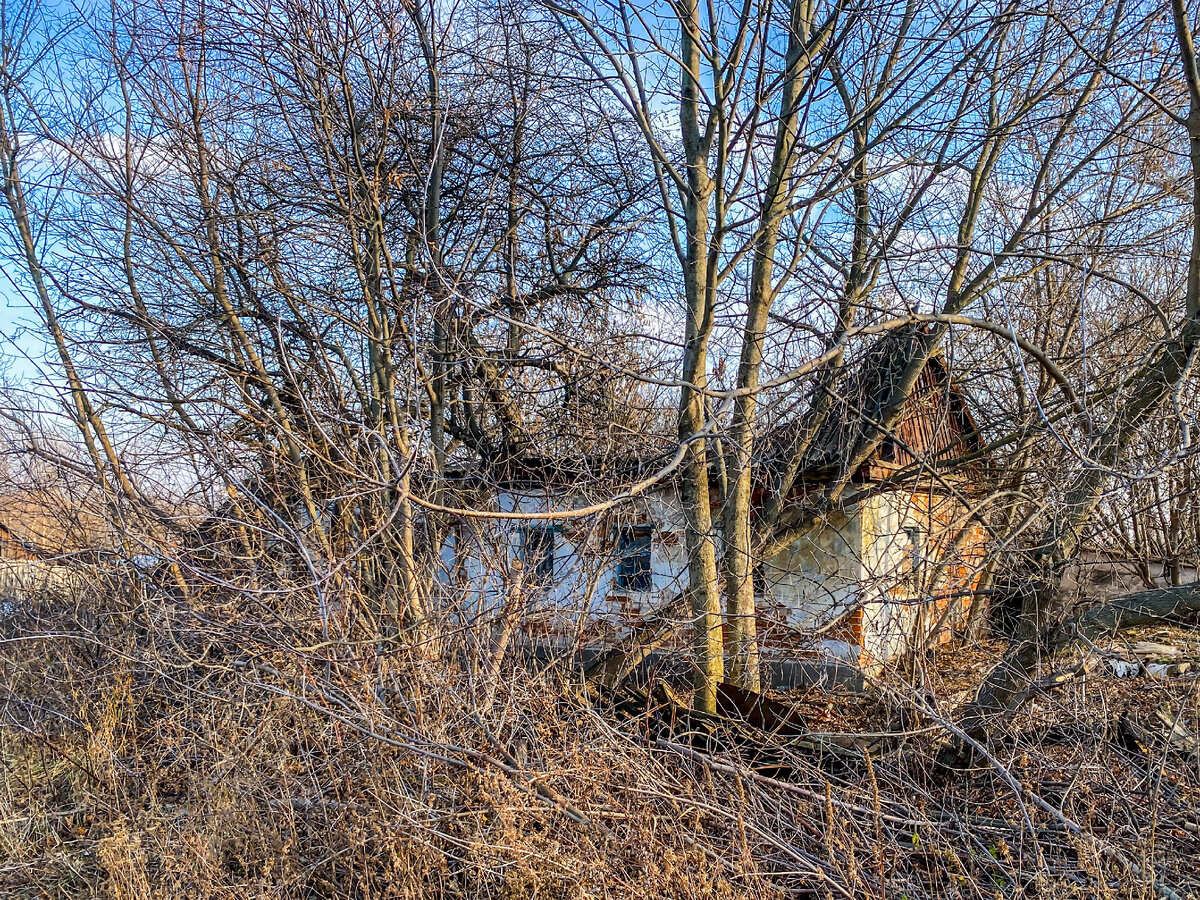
column 147, row 751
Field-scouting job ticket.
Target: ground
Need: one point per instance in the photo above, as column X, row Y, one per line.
column 153, row 751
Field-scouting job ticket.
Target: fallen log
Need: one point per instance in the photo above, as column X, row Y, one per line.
column 1156, row 606
column 1009, row 683
column 614, row 665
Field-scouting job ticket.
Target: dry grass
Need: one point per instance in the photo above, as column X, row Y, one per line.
column 156, row 748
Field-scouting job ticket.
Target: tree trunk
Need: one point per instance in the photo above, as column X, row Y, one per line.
column 738, row 532
column 1044, row 620
column 699, row 540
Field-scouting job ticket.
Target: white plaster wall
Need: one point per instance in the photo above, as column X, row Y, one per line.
column 889, row 589
column 858, row 557
column 20, row 579
column 816, row 579
column 585, row 561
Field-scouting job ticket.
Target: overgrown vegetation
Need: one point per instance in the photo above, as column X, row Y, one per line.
column 161, row 748
column 339, row 317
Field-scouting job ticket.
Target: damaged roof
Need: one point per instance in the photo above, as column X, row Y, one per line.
column 935, row 428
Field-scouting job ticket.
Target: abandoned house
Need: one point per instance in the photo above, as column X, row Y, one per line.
column 891, row 568
column 33, row 544
column 15, row 548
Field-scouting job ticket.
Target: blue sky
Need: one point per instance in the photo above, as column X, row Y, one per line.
column 21, row 343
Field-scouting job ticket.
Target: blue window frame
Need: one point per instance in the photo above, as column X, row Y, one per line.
column 537, row 552
column 634, row 571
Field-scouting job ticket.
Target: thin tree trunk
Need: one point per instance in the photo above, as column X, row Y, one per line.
column 738, row 560
column 700, row 543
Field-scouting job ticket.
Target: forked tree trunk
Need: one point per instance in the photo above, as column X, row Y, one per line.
column 1046, row 624
column 738, row 560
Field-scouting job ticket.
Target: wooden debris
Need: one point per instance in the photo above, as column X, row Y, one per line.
column 1178, row 736
column 1168, row 670
column 1163, row 732
column 1152, row 649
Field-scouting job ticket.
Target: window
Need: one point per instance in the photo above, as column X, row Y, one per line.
column 634, row 572
column 916, row 557
column 537, row 553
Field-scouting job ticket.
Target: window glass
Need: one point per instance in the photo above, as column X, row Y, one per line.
column 537, row 552
column 916, row 554
column 634, row 571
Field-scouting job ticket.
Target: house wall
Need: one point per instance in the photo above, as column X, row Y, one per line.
column 890, row 558
column 13, row 549
column 21, row 579
column 851, row 582
column 584, row 581
column 815, row 581
column 921, row 559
